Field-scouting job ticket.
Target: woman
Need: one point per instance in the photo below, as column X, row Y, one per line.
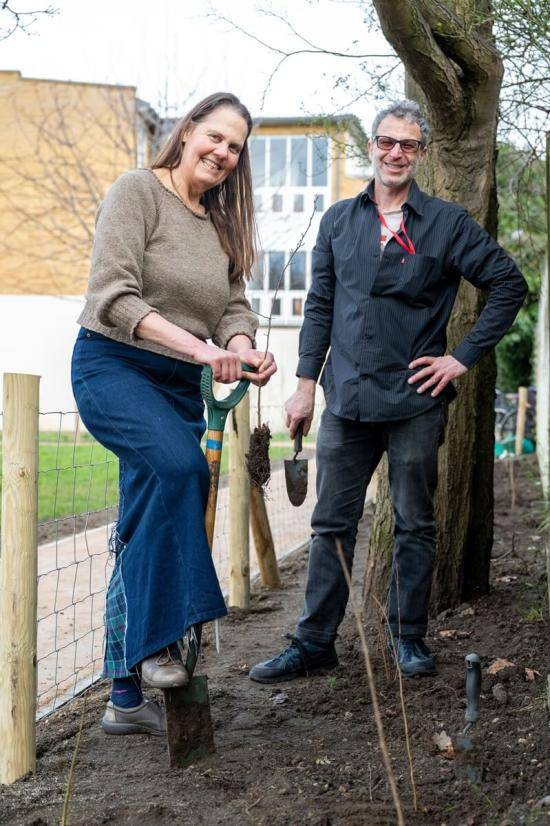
column 173, row 244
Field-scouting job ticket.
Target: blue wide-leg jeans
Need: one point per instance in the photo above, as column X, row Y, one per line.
column 147, row 409
column 347, row 455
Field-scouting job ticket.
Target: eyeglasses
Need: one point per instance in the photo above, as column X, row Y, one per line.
column 409, row 145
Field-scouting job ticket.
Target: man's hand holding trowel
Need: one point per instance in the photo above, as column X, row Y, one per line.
column 300, row 406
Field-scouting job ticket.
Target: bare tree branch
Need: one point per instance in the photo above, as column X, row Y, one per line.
column 292, row 52
column 19, row 20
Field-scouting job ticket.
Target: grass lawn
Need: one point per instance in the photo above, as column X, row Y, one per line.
column 81, row 478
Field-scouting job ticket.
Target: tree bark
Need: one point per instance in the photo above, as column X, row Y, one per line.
column 453, row 69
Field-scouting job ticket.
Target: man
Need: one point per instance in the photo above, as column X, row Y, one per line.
column 386, row 269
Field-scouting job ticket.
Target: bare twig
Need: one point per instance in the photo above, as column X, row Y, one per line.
column 277, row 287
column 401, row 696
column 70, row 777
column 372, row 688
column 19, row 20
column 298, row 246
column 285, row 54
column 312, row 49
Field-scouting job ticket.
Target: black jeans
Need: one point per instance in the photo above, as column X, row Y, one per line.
column 347, row 455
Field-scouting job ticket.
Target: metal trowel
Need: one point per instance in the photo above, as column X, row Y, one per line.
column 296, row 472
column 468, row 756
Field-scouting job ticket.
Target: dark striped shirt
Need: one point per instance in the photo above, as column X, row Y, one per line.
column 377, row 313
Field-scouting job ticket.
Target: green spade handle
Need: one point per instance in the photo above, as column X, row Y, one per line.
column 217, row 414
column 219, row 408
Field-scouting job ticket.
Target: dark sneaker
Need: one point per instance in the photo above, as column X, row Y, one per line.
column 413, row 656
column 300, row 659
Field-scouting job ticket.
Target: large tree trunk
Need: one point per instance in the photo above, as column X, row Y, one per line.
column 454, row 70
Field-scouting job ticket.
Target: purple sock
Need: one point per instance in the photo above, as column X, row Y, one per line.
column 126, row 692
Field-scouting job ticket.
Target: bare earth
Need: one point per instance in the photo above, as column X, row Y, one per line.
column 306, row 752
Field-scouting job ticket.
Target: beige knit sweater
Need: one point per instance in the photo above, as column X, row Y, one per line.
column 151, row 252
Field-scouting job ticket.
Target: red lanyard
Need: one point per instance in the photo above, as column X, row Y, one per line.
column 409, row 246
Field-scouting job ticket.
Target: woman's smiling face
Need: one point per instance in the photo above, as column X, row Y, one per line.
column 212, row 148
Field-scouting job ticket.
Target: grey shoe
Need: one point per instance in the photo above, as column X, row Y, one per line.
column 147, row 718
column 165, row 669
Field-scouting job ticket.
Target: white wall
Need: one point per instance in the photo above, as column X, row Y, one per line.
column 37, row 334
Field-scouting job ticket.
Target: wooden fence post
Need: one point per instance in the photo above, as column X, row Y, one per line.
column 239, row 541
column 263, row 540
column 520, row 420
column 18, row 572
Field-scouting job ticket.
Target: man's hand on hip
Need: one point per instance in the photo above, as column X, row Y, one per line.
column 300, row 407
column 438, row 370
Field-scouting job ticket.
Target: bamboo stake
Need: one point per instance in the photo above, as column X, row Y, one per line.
column 18, row 571
column 520, row 421
column 239, row 537
column 263, row 540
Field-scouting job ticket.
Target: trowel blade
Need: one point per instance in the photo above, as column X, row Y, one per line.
column 296, row 480
column 468, row 760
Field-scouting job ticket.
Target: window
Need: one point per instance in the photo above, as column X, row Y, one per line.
column 257, row 202
column 277, row 163
column 257, row 280
column 298, row 203
column 255, row 304
column 276, row 309
column 298, row 162
column 277, row 203
column 142, row 145
column 297, row 305
column 290, row 161
column 319, row 161
column 298, row 271
column 276, row 266
column 319, row 202
column 257, row 159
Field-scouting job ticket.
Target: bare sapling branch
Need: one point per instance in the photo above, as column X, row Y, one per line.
column 386, row 623
column 372, row 688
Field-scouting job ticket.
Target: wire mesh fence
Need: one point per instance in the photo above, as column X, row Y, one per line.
column 77, row 508
column 77, row 502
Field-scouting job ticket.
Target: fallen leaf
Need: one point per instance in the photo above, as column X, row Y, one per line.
column 444, row 745
column 279, row 698
column 531, row 675
column 454, row 634
column 500, row 694
column 467, row 612
column 507, row 578
column 499, row 664
column 323, row 761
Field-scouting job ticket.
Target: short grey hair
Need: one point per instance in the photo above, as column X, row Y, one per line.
column 407, row 110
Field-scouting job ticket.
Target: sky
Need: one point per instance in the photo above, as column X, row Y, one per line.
column 175, row 52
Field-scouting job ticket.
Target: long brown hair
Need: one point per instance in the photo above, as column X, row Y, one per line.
column 231, row 203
